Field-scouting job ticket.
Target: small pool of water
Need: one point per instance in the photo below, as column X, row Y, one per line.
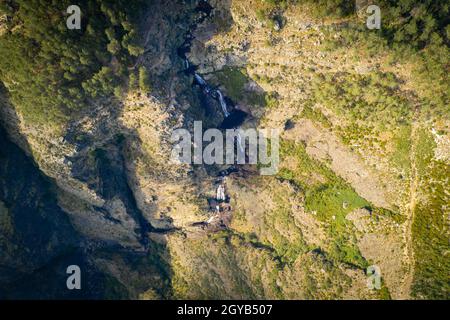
column 234, row 120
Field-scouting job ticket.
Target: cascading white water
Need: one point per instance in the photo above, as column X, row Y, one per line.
column 217, row 95
column 223, row 104
column 201, row 82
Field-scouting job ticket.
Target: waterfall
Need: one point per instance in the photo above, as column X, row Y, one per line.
column 223, row 104
column 201, row 82
column 204, row 85
column 221, row 197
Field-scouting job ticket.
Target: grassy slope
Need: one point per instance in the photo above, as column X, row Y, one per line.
column 375, row 111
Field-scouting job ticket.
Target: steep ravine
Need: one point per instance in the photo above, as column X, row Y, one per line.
column 84, row 207
column 88, row 211
column 102, row 193
column 232, row 118
column 37, row 240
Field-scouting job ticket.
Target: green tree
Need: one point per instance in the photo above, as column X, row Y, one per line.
column 144, row 80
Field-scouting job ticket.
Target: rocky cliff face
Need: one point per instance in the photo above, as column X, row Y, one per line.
column 102, row 192
column 94, row 166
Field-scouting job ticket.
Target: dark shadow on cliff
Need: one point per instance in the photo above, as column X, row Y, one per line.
column 44, row 241
column 37, row 239
column 102, row 165
column 103, row 160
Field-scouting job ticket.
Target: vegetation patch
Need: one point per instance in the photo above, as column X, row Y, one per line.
column 52, row 72
column 402, row 149
column 235, row 79
column 330, row 201
column 430, row 225
column 315, row 115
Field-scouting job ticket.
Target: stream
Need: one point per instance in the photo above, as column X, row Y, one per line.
column 233, row 118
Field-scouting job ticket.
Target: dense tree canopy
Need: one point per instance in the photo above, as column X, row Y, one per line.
column 51, row 71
